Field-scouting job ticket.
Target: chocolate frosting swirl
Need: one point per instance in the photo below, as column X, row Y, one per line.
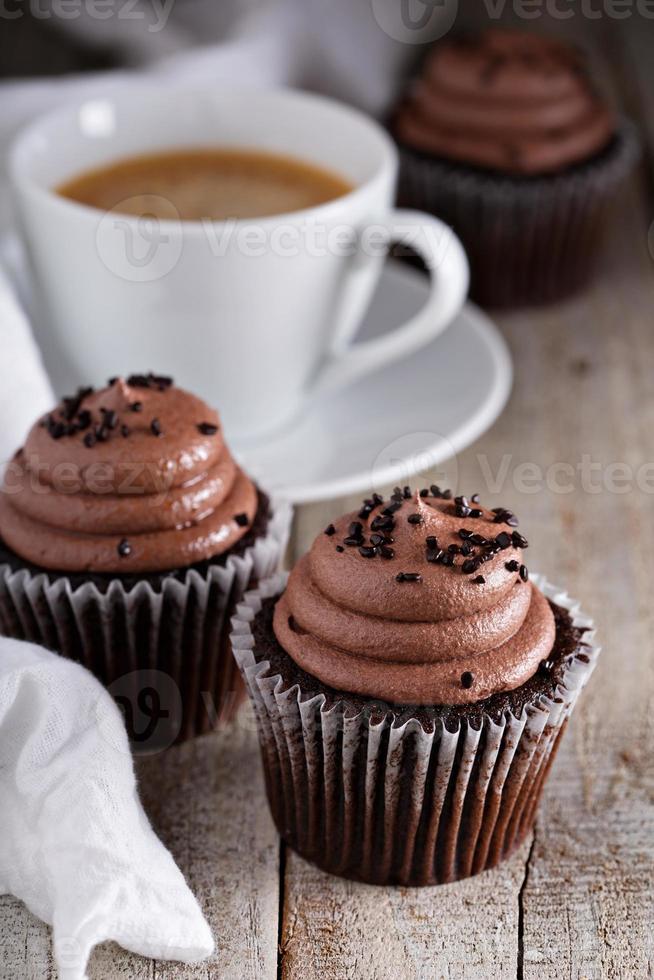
column 425, row 600
column 509, row 101
column 133, row 478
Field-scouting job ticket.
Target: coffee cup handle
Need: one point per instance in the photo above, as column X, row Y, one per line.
column 447, row 264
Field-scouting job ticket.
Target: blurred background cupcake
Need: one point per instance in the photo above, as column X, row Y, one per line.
column 127, row 534
column 411, row 684
column 504, row 136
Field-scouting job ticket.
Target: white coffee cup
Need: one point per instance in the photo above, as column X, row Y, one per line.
column 253, row 315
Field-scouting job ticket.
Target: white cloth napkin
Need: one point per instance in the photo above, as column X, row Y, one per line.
column 25, row 390
column 75, row 844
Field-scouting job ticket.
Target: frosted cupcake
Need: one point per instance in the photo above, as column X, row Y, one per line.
column 127, row 534
column 504, row 136
column 411, row 682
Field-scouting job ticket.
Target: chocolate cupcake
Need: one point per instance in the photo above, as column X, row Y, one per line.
column 504, row 137
column 127, row 535
column 411, row 683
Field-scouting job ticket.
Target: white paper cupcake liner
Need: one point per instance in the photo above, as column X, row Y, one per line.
column 163, row 652
column 391, row 803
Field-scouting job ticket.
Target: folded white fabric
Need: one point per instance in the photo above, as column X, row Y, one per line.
column 75, row 844
column 25, row 391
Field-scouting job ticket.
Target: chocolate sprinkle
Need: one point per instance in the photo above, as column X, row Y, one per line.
column 414, row 519
column 386, row 552
column 503, row 516
column 479, row 580
column 242, row 520
column 57, row 430
column 155, row 428
column 124, row 548
column 466, row 679
column 512, row 566
column 160, row 381
column 408, row 577
column 367, row 552
column 207, row 428
column 524, row 573
column 136, row 407
column 90, row 440
column 329, row 530
column 124, row 431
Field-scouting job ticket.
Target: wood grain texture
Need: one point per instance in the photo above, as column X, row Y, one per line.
column 336, row 928
column 207, row 803
column 568, row 456
column 577, row 901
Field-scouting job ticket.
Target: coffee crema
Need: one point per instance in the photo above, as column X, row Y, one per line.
column 214, row 184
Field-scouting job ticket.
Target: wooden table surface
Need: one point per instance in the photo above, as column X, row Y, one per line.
column 577, row 901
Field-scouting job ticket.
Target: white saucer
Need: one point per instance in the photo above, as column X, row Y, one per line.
column 398, row 422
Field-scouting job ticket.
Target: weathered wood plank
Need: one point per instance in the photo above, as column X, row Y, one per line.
column 207, row 802
column 338, row 929
column 589, row 903
column 580, row 902
column 582, row 905
column 25, row 950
